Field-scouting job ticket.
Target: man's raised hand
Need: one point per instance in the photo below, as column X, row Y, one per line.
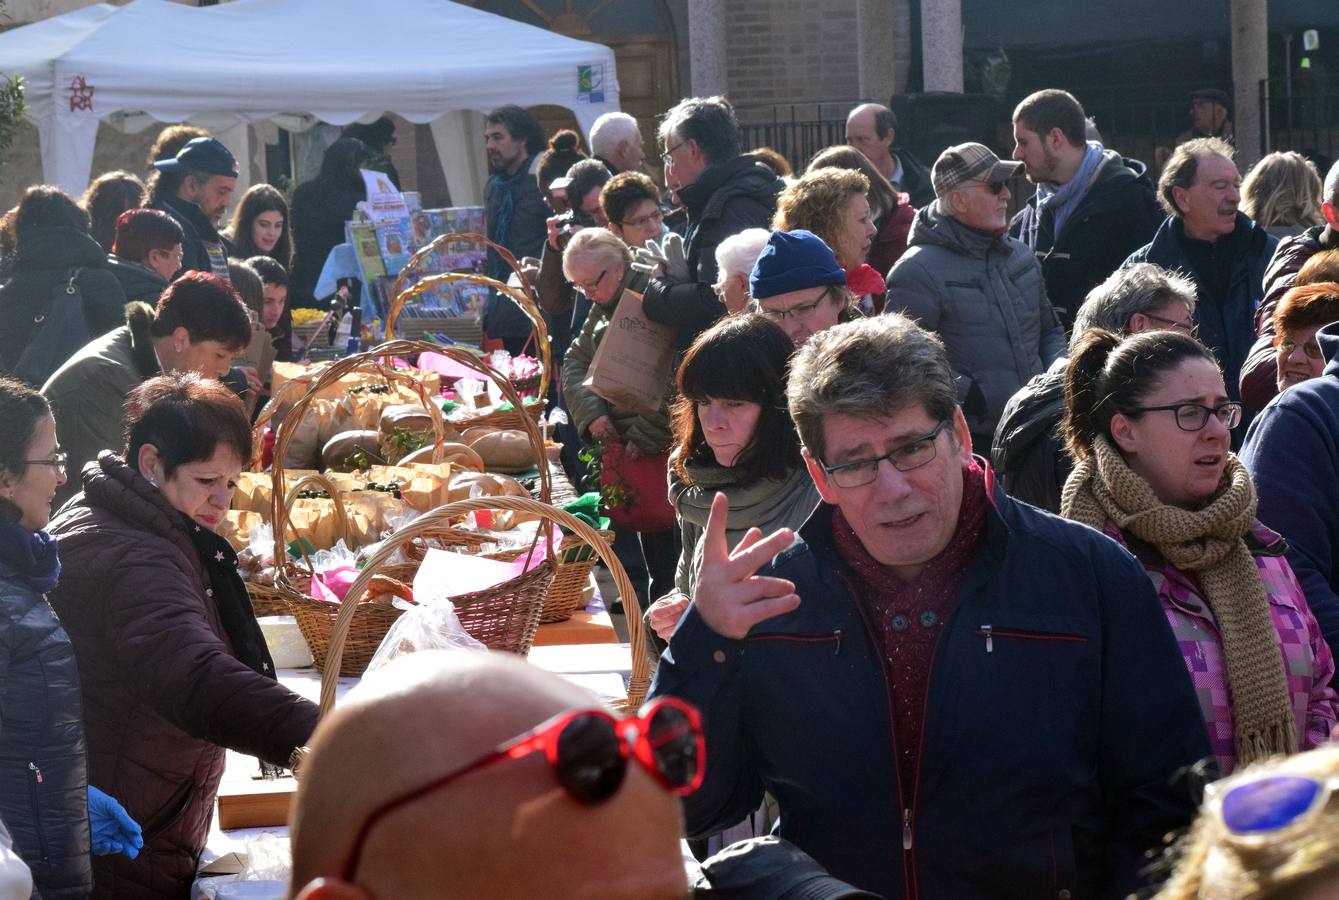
column 729, row 597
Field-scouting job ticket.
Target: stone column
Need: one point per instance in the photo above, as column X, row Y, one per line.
column 1250, row 66
column 874, row 50
column 941, row 44
column 706, row 46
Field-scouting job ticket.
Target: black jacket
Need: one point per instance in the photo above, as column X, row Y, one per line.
column 1226, row 318
column 319, row 211
column 725, row 200
column 1293, row 458
column 138, row 281
column 1116, row 216
column 915, row 179
column 1058, row 716
column 525, row 237
column 43, row 769
column 46, row 258
column 1028, row 452
column 200, row 237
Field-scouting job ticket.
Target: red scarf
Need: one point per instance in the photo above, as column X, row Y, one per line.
column 906, row 618
column 865, row 279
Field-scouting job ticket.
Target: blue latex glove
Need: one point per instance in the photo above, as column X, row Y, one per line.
column 112, row 828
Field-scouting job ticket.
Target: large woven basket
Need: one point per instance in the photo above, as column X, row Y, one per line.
column 503, row 617
column 503, row 624
column 639, row 681
column 272, row 599
column 524, row 297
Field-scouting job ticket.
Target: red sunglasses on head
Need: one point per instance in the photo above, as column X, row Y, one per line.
column 588, row 751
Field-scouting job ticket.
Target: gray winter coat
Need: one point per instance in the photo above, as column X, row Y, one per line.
column 985, row 298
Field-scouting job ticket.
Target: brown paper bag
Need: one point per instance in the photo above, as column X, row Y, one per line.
column 236, row 527
column 316, row 521
column 635, row 360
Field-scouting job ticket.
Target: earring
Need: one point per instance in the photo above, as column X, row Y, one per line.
column 152, row 481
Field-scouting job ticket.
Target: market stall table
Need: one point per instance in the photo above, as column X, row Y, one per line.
column 601, row 667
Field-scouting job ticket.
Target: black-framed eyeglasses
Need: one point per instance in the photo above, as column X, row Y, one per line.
column 1184, row 327
column 913, row 454
column 1310, row 348
column 669, row 151
column 56, row 460
column 799, row 311
column 594, row 286
column 1194, row 416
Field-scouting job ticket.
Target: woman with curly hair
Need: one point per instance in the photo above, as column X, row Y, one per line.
column 834, row 204
column 891, row 210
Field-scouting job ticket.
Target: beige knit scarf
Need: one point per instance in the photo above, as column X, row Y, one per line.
column 1209, row 542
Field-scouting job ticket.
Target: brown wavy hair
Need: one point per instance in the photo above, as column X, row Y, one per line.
column 817, row 202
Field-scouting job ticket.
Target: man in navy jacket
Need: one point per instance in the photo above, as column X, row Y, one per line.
column 1292, row 453
column 949, row 693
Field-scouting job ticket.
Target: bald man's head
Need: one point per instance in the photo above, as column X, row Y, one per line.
column 871, row 129
column 496, row 832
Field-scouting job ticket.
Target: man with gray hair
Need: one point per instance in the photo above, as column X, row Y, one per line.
column 616, row 141
column 724, row 193
column 980, row 290
column 932, row 665
column 1209, row 239
column 1027, row 451
column 1258, row 386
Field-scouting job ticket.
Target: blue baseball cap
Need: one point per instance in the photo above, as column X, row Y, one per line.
column 793, row 261
column 202, row 154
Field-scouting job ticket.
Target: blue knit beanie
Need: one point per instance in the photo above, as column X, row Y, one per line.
column 793, row 261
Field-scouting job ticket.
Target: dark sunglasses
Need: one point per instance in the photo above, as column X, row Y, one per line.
column 995, row 186
column 1258, row 806
column 588, row 752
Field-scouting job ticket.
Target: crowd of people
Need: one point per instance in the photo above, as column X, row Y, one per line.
column 1093, row 593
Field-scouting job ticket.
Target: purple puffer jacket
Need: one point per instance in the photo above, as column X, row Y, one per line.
column 1307, row 662
column 163, row 693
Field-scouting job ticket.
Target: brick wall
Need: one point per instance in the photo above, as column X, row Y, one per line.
column 791, row 51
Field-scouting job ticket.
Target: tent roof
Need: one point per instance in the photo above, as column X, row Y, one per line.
column 338, row 60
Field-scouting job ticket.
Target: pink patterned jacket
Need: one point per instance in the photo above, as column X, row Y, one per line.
column 1307, row 662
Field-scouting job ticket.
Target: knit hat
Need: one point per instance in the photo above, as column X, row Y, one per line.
column 969, row 162
column 793, row 261
column 202, row 154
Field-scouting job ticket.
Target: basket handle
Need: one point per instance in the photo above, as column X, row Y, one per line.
column 522, row 297
column 342, row 518
column 640, row 680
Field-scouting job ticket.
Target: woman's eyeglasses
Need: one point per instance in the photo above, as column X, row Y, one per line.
column 593, row 286
column 588, row 752
column 56, row 460
column 1194, row 416
column 1256, row 807
column 1310, row 348
column 656, row 216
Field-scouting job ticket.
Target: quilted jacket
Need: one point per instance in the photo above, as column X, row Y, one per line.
column 43, row 775
column 1307, row 662
column 163, row 694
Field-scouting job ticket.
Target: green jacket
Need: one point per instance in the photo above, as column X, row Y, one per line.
column 88, row 392
column 649, row 432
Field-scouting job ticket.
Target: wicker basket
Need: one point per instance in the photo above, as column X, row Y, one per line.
column 272, row 599
column 522, row 297
column 640, row 679
column 503, row 617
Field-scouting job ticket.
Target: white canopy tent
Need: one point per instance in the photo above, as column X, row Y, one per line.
column 294, row 62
